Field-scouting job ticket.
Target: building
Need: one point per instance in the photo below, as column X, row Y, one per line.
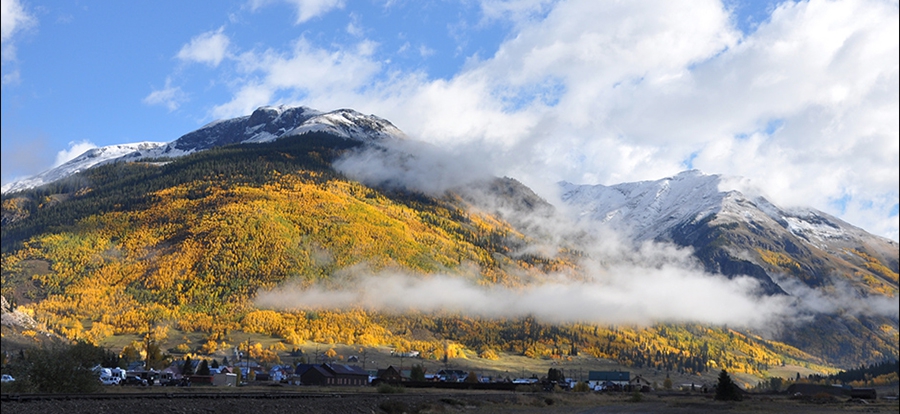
column 389, row 375
column 317, row 375
column 609, row 380
column 333, row 374
column 452, row 375
column 348, row 374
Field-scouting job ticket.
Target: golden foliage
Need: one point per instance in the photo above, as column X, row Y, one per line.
column 780, row 260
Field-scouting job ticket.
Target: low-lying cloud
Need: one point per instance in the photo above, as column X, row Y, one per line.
column 614, row 282
column 412, row 165
column 630, row 297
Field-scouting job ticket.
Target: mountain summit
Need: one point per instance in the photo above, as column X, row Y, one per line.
column 265, row 124
column 737, row 234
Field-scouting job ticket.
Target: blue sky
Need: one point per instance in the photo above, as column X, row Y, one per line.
column 799, row 97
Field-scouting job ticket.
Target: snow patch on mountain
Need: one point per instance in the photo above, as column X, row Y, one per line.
column 265, row 124
column 89, row 159
column 646, row 210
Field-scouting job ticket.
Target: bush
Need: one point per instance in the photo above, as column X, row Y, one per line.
column 393, row 407
column 385, row 388
column 581, row 386
column 636, row 397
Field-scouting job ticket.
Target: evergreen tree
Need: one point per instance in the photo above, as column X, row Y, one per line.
column 726, row 389
column 203, row 369
column 188, row 368
column 417, row 373
column 554, row 374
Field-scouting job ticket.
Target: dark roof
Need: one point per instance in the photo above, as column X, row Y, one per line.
column 320, row 369
column 390, row 370
column 639, row 379
column 346, row 370
column 813, row 389
column 301, row 368
column 609, row 376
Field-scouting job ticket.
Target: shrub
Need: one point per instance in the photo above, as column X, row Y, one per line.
column 393, row 407
column 385, row 388
column 581, row 386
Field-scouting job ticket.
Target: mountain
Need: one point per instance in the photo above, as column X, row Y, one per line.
column 800, row 252
column 265, row 124
column 737, row 234
column 186, row 235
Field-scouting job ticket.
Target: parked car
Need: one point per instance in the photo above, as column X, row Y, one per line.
column 134, row 380
column 172, row 382
column 8, row 378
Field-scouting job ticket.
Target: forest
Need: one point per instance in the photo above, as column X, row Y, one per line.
column 169, row 247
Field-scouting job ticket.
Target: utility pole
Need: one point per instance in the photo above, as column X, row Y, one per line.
column 147, row 345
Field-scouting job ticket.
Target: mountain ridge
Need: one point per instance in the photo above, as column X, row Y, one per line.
column 192, row 238
column 685, row 207
column 265, row 124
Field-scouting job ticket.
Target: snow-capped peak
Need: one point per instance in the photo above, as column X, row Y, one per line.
column 646, row 210
column 265, row 124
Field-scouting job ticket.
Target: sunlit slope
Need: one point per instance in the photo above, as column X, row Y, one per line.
column 185, row 245
column 209, row 241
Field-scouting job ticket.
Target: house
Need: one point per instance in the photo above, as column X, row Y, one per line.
column 333, row 374
column 452, row 375
column 639, row 383
column 317, row 375
column 694, row 387
column 347, row 374
column 280, row 373
column 389, row 374
column 608, row 380
column 226, row 379
column 801, row 389
column 299, row 370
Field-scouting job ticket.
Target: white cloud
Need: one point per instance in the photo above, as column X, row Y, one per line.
column 210, row 48
column 170, row 96
column 306, row 9
column 305, row 72
column 708, row 299
column 13, row 18
column 604, row 92
column 75, row 149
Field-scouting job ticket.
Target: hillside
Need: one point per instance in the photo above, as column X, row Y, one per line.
column 180, row 248
column 849, row 276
